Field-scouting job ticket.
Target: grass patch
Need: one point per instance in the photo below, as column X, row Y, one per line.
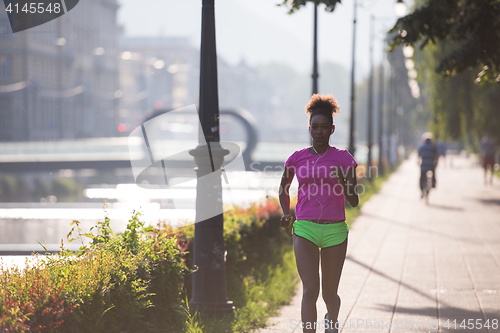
column 259, row 299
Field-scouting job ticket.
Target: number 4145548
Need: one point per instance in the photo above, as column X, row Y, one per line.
column 34, row 7
column 470, row 324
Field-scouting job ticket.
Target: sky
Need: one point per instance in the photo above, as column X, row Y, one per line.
column 260, row 32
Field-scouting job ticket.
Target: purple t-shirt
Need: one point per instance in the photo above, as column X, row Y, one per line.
column 317, row 185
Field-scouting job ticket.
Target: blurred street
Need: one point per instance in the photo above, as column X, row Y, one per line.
column 409, row 263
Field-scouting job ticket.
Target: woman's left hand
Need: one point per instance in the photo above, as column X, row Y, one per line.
column 286, row 220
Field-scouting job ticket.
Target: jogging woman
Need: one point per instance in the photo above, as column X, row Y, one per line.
column 326, row 176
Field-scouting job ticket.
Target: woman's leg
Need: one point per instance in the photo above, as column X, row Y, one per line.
column 332, row 261
column 307, row 259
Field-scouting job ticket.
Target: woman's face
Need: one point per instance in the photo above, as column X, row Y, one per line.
column 320, row 128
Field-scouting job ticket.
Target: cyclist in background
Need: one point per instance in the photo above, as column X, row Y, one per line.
column 429, row 155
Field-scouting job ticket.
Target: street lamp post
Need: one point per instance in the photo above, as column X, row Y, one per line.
column 370, row 102
column 400, row 9
column 209, row 279
column 352, row 149
column 381, row 104
column 381, row 170
column 315, row 53
column 315, row 74
column 392, row 112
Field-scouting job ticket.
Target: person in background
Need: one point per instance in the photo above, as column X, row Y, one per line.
column 488, row 150
column 429, row 155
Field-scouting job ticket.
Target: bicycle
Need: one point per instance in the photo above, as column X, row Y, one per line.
column 428, row 186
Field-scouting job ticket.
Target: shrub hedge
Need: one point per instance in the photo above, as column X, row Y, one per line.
column 138, row 281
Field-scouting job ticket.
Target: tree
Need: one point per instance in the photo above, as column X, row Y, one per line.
column 459, row 109
column 295, row 5
column 471, row 26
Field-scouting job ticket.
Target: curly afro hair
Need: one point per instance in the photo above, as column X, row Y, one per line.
column 326, row 105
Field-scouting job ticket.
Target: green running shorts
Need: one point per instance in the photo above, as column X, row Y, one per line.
column 322, row 235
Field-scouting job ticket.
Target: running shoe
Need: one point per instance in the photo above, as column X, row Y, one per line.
column 327, row 325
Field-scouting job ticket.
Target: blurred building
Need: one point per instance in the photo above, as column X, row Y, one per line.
column 163, row 73
column 156, row 73
column 74, row 77
column 242, row 86
column 60, row 79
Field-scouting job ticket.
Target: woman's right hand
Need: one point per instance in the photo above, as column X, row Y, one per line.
column 286, row 221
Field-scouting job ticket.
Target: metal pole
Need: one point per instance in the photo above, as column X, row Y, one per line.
column 381, row 114
column 370, row 102
column 395, row 111
column 315, row 53
column 209, row 280
column 352, row 148
column 26, row 112
column 315, row 57
column 60, row 113
column 392, row 111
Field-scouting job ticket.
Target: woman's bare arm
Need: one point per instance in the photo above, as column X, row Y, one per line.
column 284, row 196
column 349, row 184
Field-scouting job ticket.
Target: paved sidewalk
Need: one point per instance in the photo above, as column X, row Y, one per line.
column 417, row 265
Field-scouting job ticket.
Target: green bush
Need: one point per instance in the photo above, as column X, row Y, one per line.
column 31, row 300
column 126, row 283
column 138, row 281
